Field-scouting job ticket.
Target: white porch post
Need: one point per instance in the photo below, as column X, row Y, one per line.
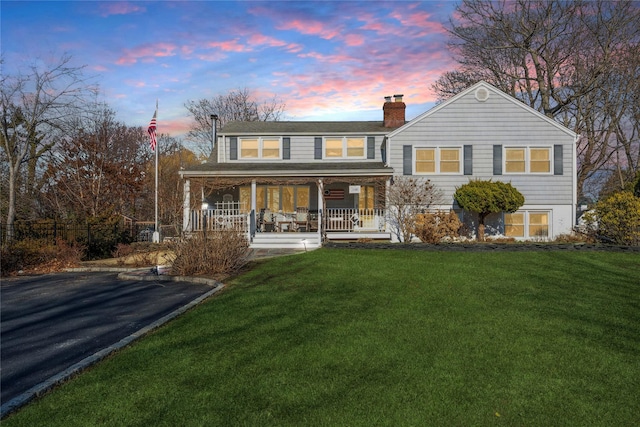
column 387, row 185
column 320, row 209
column 254, row 195
column 186, row 206
column 253, row 212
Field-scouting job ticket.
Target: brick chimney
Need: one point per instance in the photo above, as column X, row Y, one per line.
column 394, row 111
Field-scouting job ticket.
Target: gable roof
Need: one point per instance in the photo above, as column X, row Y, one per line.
column 493, row 90
column 299, row 128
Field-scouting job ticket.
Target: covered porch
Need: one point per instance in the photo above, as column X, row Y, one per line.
column 313, row 209
column 333, row 220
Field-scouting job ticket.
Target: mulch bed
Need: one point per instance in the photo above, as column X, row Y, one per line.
column 485, row 247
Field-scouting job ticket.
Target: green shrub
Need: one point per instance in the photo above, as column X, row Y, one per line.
column 617, row 219
column 487, row 197
column 216, row 253
column 102, row 237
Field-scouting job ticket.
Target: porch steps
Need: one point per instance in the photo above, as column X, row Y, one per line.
column 286, row 241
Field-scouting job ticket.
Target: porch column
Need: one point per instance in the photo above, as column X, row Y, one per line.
column 320, row 209
column 387, row 188
column 254, row 195
column 186, row 206
column 253, row 214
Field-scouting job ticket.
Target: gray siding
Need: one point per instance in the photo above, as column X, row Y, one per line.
column 496, row 121
column 301, row 150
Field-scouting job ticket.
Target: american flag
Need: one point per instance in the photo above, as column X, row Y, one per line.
column 334, row 194
column 152, row 131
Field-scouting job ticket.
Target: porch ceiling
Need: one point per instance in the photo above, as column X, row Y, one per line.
column 337, row 169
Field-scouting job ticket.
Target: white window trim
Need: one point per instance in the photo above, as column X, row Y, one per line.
column 527, row 159
column 527, row 223
column 344, row 148
column 437, row 160
column 260, row 148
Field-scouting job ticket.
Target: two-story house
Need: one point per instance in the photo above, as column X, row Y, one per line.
column 330, row 179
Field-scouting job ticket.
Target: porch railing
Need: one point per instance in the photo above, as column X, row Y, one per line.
column 219, row 219
column 333, row 220
column 354, row 219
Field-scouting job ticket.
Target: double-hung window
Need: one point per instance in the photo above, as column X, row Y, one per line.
column 260, row 148
column 277, row 197
column 527, row 160
column 438, row 160
column 538, row 224
column 344, row 147
column 526, row 224
column 514, row 224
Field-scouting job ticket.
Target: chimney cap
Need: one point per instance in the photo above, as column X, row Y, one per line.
column 398, row 97
column 387, row 99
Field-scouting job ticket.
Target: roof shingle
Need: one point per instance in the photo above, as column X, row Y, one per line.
column 315, row 128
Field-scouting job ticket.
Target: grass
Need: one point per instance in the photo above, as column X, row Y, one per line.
column 374, row 337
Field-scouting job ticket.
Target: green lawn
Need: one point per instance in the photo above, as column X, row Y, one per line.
column 375, row 337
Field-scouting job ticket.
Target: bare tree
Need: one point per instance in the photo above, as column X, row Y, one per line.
column 407, row 197
column 173, row 157
column 237, row 105
column 34, row 108
column 558, row 57
column 100, row 170
column 627, row 118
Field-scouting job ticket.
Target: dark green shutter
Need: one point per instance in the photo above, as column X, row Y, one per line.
column 468, row 159
column 233, row 150
column 497, row 159
column 286, row 148
column 407, row 161
column 371, row 147
column 317, row 149
column 557, row 160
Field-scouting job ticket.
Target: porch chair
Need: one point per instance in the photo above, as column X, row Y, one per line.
column 268, row 220
column 302, row 219
column 260, row 221
column 313, row 221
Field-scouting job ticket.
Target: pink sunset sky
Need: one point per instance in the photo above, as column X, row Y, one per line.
column 329, row 60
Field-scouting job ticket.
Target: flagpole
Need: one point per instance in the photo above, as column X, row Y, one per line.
column 156, row 233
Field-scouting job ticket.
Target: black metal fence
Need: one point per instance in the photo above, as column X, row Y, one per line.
column 97, row 238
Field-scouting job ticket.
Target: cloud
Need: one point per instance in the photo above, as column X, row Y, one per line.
column 354, row 40
column 135, row 83
column 323, row 59
column 120, row 8
column 211, row 56
column 419, row 21
column 269, row 41
column 230, row 46
column 175, row 126
column 298, row 17
column 399, row 49
column 62, row 29
column 146, row 53
column 311, row 27
column 337, row 59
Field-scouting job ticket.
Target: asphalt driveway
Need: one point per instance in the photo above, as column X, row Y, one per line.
column 52, row 322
